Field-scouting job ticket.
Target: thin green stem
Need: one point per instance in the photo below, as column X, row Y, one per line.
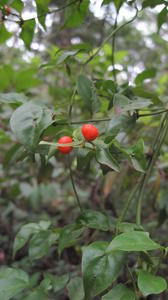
column 159, row 139
column 74, row 188
column 97, row 120
column 152, row 114
column 133, row 280
column 109, row 37
column 113, row 48
column 71, row 104
column 126, row 207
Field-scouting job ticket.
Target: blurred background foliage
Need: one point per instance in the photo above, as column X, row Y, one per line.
column 41, row 62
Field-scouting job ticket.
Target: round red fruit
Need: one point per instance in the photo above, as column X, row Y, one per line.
column 8, row 9
column 65, row 140
column 90, row 132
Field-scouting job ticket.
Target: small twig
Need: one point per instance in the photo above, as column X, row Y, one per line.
column 159, row 139
column 103, row 119
column 53, row 11
column 74, row 188
column 152, row 114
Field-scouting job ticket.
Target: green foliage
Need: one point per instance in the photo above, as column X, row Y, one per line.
column 28, row 122
column 27, row 33
column 86, row 90
column 75, row 14
column 119, row 292
column 100, row 268
column 42, row 9
column 136, row 241
column 80, row 225
column 75, row 289
column 150, row 284
column 12, row 282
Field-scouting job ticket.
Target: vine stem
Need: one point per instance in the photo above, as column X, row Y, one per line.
column 113, row 48
column 159, row 139
column 152, row 114
column 126, row 206
column 109, row 37
column 133, row 280
column 74, row 188
column 100, row 120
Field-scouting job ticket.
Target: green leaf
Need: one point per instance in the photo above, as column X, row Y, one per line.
column 4, row 34
column 18, row 5
column 28, row 122
column 12, row 282
column 94, row 219
column 119, row 292
column 23, row 236
column 27, row 32
column 12, row 98
column 4, row 138
column 42, row 9
column 123, row 104
column 136, row 241
column 40, row 244
column 152, row 3
column 75, row 289
column 121, row 123
column 65, row 55
column 13, row 155
column 99, row 269
column 26, row 79
column 138, row 157
column 118, row 4
column 161, row 17
column 148, row 73
column 75, row 14
column 86, row 90
column 36, row 295
column 58, row 282
column 150, row 284
column 104, row 157
column 127, row 227
column 84, row 158
column 69, row 236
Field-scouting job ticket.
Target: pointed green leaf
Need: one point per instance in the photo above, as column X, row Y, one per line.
column 148, row 73
column 104, row 157
column 75, row 289
column 86, row 90
column 12, row 282
column 27, row 32
column 119, row 292
column 99, row 269
column 69, row 236
column 136, row 241
column 40, row 244
column 94, row 219
column 4, row 34
column 28, row 122
column 42, row 9
column 76, row 13
column 150, row 284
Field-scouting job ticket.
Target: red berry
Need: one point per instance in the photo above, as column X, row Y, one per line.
column 8, row 9
column 90, row 132
column 65, row 140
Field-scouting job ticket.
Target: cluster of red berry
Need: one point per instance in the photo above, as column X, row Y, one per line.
column 89, row 131
column 7, row 9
